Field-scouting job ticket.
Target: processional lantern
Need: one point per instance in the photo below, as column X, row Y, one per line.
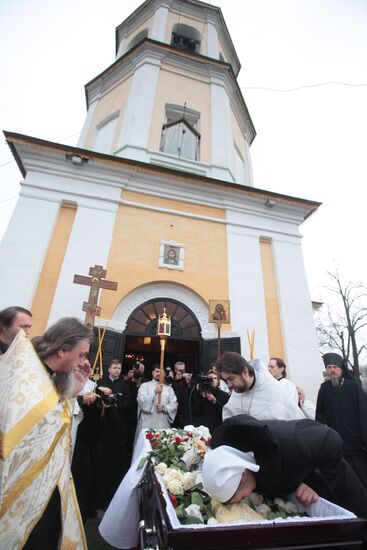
column 163, row 332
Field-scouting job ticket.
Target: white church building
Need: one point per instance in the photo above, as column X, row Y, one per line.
column 159, row 191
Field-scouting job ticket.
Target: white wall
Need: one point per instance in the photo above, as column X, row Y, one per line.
column 23, row 248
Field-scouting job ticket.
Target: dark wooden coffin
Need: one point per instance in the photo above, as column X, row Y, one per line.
column 156, row 532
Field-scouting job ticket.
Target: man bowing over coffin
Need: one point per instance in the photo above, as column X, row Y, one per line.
column 38, row 507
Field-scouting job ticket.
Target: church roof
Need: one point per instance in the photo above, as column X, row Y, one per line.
column 21, row 145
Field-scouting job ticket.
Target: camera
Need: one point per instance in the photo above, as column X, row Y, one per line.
column 136, row 372
column 204, row 383
column 168, row 378
column 108, row 399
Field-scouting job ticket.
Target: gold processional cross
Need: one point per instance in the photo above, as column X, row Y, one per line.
column 96, row 282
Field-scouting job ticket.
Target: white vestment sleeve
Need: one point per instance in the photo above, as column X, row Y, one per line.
column 146, row 398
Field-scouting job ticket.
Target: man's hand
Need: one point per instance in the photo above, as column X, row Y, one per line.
column 305, row 495
column 158, row 389
column 159, row 408
column 210, row 397
column 105, row 390
column 89, row 398
column 81, row 376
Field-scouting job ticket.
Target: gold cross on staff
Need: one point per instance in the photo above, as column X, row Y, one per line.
column 97, row 273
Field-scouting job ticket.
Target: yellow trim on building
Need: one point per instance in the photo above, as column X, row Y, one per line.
column 135, row 246
column 275, row 336
column 47, row 282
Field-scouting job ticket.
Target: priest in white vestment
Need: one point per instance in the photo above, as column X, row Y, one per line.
column 151, row 414
column 254, row 390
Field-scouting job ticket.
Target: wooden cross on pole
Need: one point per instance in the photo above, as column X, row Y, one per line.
column 97, row 273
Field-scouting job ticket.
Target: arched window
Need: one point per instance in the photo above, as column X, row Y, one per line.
column 137, row 38
column 185, row 38
column 180, row 133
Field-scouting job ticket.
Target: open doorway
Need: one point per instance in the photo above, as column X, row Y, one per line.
column 141, row 342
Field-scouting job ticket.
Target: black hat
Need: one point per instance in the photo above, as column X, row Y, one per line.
column 336, row 359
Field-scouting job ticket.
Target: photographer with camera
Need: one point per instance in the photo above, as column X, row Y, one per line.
column 207, row 401
column 101, row 458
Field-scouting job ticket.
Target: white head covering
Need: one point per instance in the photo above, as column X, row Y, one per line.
column 222, row 471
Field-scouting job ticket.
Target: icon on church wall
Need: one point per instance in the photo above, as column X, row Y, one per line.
column 219, row 310
column 171, row 255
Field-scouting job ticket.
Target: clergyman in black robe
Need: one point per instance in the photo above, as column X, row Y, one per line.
column 290, row 453
column 342, row 405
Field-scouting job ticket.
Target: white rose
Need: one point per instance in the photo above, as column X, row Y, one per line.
column 213, row 521
column 175, row 487
column 161, row 468
column 256, row 499
column 203, row 431
column 263, row 509
column 291, row 508
column 174, row 474
column 189, row 428
column 194, row 511
column 189, row 480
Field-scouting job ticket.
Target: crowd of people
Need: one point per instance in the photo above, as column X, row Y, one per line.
column 265, row 433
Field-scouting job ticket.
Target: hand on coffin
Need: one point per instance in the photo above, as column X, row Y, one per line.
column 305, row 495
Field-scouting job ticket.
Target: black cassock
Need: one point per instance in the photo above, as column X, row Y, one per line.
column 101, row 457
column 290, row 452
column 344, row 408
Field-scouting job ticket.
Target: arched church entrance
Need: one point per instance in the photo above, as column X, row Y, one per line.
column 140, row 340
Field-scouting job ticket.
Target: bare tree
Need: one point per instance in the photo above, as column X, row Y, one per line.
column 341, row 322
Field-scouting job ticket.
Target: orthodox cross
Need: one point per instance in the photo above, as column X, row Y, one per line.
column 96, row 282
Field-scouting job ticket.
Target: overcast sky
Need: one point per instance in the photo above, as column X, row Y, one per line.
column 303, row 77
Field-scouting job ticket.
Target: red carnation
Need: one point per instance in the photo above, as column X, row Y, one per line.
column 149, row 435
column 173, row 500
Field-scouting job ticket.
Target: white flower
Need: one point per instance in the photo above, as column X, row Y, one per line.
column 202, row 431
column 263, row 509
column 161, row 468
column 175, row 487
column 280, row 503
column 191, row 457
column 256, row 499
column 194, row 511
column 189, row 428
column 189, row 480
column 172, row 473
column 291, row 508
column 213, row 521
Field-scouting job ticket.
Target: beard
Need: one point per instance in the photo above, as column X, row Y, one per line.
column 64, row 382
column 335, row 381
column 242, row 388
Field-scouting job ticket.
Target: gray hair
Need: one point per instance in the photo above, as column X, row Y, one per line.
column 178, row 364
column 65, row 335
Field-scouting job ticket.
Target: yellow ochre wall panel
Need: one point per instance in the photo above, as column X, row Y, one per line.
column 180, row 89
column 134, row 253
column 47, row 282
column 275, row 336
column 114, row 101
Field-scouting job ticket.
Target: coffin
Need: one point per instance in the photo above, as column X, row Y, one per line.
column 334, row 528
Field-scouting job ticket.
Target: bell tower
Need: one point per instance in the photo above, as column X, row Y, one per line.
column 171, row 98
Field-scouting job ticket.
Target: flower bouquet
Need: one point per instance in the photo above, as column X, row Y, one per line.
column 176, row 455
